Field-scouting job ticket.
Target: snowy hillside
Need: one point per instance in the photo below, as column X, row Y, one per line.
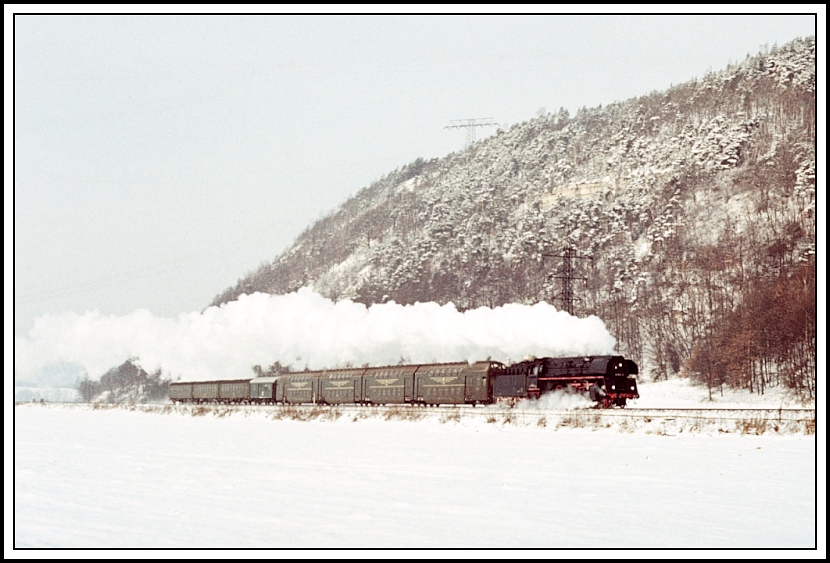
column 690, row 216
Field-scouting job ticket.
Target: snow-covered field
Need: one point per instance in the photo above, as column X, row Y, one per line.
column 115, row 478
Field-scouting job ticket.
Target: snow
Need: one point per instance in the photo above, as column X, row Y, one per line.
column 51, row 394
column 89, row 477
column 684, row 393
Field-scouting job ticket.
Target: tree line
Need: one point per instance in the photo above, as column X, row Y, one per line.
column 127, row 383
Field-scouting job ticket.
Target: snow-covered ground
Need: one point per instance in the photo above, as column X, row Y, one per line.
column 116, row 478
column 683, row 393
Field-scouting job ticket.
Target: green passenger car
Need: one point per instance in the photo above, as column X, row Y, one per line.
column 341, row 386
column 206, row 392
column 298, row 388
column 237, row 391
column 389, row 385
column 457, row 383
column 263, row 390
column 181, row 392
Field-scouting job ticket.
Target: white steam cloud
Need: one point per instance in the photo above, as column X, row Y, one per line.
column 304, row 330
column 559, row 399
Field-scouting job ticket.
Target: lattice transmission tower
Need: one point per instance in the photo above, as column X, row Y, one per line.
column 470, row 125
column 566, row 275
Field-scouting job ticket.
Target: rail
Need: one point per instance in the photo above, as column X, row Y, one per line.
column 663, row 421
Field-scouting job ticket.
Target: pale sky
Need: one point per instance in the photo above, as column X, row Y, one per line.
column 158, row 159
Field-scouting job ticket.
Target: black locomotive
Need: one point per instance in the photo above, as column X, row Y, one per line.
column 532, row 378
column 459, row 383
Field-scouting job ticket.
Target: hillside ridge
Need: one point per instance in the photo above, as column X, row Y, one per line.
column 690, row 215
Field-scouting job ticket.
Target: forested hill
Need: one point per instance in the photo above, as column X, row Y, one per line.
column 691, row 214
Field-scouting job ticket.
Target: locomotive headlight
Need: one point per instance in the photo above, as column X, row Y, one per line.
column 612, row 388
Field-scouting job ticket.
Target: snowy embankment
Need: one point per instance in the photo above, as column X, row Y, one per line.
column 666, row 408
column 666, row 422
column 97, row 478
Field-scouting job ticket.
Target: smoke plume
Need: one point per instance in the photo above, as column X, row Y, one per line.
column 304, row 330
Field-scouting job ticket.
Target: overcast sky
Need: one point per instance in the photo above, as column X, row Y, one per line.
column 158, row 159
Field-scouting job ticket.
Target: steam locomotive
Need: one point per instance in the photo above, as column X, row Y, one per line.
column 459, row 383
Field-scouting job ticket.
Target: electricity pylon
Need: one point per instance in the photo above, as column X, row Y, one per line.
column 566, row 274
column 470, row 125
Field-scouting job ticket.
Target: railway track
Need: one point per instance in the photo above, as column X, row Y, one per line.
column 726, row 418
column 780, row 414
